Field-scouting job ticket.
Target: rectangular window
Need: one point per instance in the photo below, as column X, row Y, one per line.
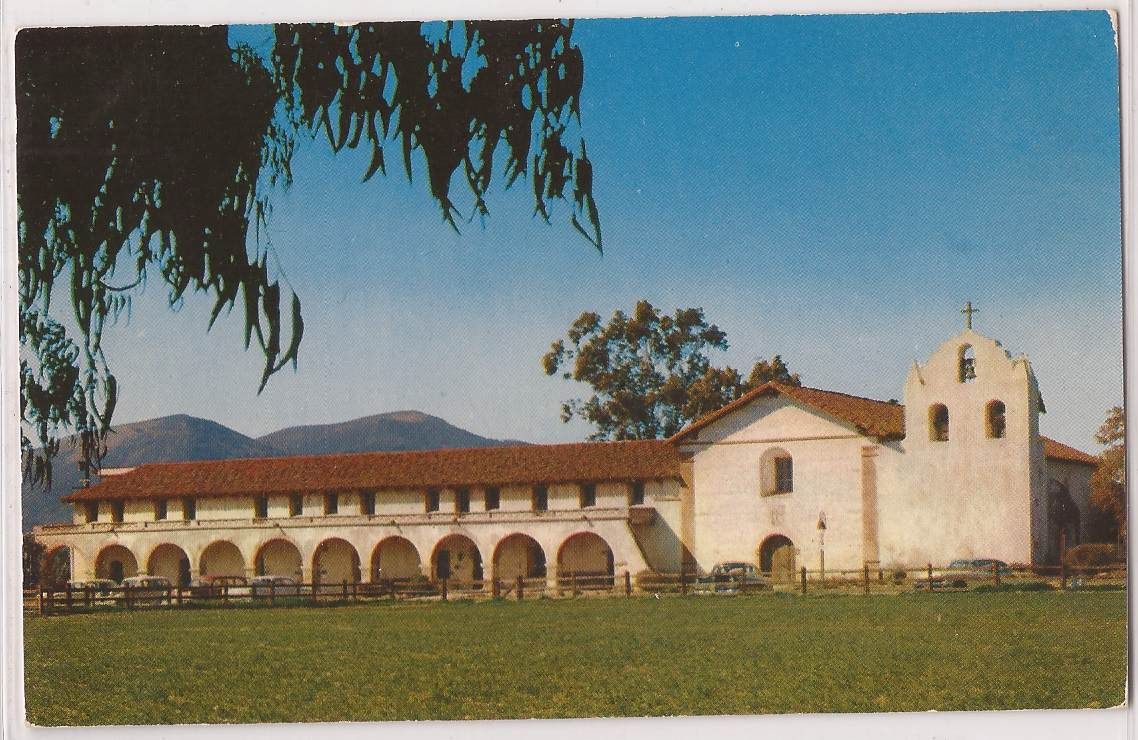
column 296, row 504
column 493, row 499
column 189, row 509
column 117, row 511
column 540, row 498
column 159, row 509
column 261, row 507
column 588, row 495
column 636, row 494
column 432, row 500
column 92, row 511
column 367, row 503
column 462, row 501
column 331, row 503
column 783, row 475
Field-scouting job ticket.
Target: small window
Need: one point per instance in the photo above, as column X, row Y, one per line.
column 493, row 499
column 296, row 504
column 331, row 503
column 967, row 364
column 462, row 501
column 588, row 495
column 540, row 498
column 432, row 500
column 159, row 509
column 117, row 511
column 92, row 512
column 636, row 494
column 997, row 419
column 367, row 503
column 783, row 475
column 189, row 509
column 938, row 422
column 261, row 507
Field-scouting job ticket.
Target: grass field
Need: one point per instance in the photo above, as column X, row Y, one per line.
column 584, row 657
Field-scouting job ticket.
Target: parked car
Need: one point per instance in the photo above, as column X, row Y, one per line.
column 734, row 576
column 274, row 585
column 147, row 583
column 960, row 573
column 97, row 585
column 216, row 586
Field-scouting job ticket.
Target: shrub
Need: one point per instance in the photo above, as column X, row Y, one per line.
column 899, row 576
column 1091, row 555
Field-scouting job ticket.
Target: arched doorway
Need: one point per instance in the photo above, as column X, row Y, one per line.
column 221, row 558
column 586, row 555
column 335, row 561
column 395, row 558
column 777, row 558
column 519, row 555
column 170, row 562
column 279, row 557
column 116, row 563
column 55, row 571
column 456, row 558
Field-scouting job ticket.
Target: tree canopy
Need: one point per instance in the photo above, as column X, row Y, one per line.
column 651, row 373
column 146, row 152
column 1108, row 482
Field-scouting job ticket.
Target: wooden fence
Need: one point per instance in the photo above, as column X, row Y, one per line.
column 867, row 580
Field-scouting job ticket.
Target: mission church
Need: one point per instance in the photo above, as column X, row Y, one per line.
column 782, row 477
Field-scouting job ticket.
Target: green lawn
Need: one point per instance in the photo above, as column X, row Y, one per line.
column 584, row 657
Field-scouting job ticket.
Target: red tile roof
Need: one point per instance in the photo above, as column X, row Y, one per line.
column 873, row 418
column 488, row 466
column 1059, row 451
column 483, row 466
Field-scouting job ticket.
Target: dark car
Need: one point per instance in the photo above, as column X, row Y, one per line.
column 960, row 573
column 215, row 586
column 732, row 576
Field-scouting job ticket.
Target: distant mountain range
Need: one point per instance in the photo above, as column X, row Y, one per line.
column 182, row 437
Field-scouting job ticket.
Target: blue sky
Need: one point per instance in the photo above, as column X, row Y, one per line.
column 830, row 188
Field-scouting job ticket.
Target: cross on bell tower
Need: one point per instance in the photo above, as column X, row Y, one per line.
column 968, row 311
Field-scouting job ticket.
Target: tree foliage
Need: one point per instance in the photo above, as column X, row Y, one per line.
column 1108, row 482
column 153, row 151
column 651, row 373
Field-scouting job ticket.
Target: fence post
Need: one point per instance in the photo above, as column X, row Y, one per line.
column 1063, row 575
column 804, row 580
column 520, row 586
column 627, row 583
column 444, row 589
column 126, row 596
column 43, row 602
column 930, row 572
column 996, row 573
column 865, row 575
column 683, row 582
column 67, row 592
column 272, row 593
column 178, row 595
column 496, row 587
column 344, row 592
column 225, row 594
column 88, row 593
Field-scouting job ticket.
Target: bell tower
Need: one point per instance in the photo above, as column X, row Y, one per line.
column 972, row 449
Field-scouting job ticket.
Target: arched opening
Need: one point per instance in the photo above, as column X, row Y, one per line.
column 116, row 563
column 221, row 558
column 966, row 364
column 335, row 561
column 777, row 558
column 170, row 562
column 996, row 419
column 519, row 555
column 938, row 422
column 279, row 557
column 586, row 555
column 456, row 558
column 395, row 558
column 776, row 472
column 56, row 569
column 1063, row 520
